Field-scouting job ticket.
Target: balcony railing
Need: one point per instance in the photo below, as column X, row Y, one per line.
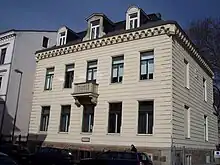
column 85, row 88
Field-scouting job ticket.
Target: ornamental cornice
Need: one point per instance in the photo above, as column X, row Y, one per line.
column 125, row 37
column 6, row 37
column 169, row 29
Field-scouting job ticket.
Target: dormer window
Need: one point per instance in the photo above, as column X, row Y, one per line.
column 62, row 40
column 133, row 17
column 133, row 20
column 94, row 31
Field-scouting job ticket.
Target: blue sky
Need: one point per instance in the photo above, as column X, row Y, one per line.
column 51, row 14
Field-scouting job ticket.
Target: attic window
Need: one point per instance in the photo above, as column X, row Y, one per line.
column 62, row 40
column 94, row 31
column 133, row 20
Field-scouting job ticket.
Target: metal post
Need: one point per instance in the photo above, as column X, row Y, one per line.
column 16, row 111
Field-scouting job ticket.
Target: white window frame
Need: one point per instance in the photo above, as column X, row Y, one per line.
column 187, row 120
column 133, row 19
column 188, row 160
column 62, row 39
column 95, row 30
column 206, row 128
column 186, row 73
column 205, row 89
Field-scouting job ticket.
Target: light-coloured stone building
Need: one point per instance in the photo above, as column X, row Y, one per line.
column 140, row 81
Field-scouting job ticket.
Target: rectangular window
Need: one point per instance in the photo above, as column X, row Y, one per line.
column 62, row 39
column 147, row 65
column 65, row 118
column 91, row 71
column 133, row 20
column 49, row 79
column 1, row 81
column 186, row 74
column 2, row 58
column 45, row 115
column 117, row 69
column 187, row 121
column 69, row 76
column 206, row 133
column 114, row 117
column 145, row 117
column 188, row 160
column 88, row 118
column 45, row 42
column 204, row 89
column 94, row 31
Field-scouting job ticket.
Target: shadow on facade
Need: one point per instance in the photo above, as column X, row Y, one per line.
column 7, row 123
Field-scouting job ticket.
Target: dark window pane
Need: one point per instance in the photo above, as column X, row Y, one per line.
column 145, row 117
column 117, row 69
column 65, row 118
column 45, row 42
column 45, row 114
column 114, row 121
column 91, row 71
column 88, row 118
column 2, row 58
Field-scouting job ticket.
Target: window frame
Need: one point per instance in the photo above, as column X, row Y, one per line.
column 147, row 64
column 133, row 20
column 118, row 118
column 72, row 70
column 147, row 116
column 206, row 128
column 186, row 74
column 204, row 84
column 118, row 65
column 92, row 69
column 90, row 115
column 1, row 81
column 187, row 122
column 62, row 38
column 51, row 76
column 96, row 29
column 67, row 121
column 2, row 55
column 47, row 115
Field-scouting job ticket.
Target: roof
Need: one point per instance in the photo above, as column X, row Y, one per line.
column 119, row 28
column 16, row 30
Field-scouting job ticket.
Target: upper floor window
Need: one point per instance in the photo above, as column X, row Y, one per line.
column 45, row 114
column 45, row 42
column 117, row 69
column 91, row 71
column 147, row 65
column 62, row 39
column 69, row 76
column 186, row 74
column 145, row 117
column 204, row 89
column 49, row 78
column 2, row 58
column 94, row 31
column 133, row 20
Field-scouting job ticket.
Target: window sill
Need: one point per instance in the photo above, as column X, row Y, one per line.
column 63, row 132
column 86, row 133
column 47, row 90
column 115, row 83
column 146, row 80
column 42, row 132
column 187, row 88
column 113, row 134
column 187, row 138
column 144, row 134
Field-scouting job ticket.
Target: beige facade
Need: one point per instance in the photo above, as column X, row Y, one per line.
column 166, row 90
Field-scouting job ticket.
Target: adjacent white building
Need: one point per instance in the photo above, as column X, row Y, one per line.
column 139, row 81
column 17, row 63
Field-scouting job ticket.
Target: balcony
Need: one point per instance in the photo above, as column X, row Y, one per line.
column 85, row 93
